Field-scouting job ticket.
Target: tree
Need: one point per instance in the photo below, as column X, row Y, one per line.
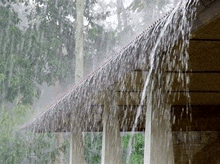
column 76, row 140
column 121, row 14
column 29, row 58
column 79, row 48
column 137, row 155
column 93, row 146
column 53, row 23
column 36, row 55
column 14, row 77
column 23, row 147
column 11, row 149
column 100, row 38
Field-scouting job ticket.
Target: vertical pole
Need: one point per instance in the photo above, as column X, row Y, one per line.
column 61, row 158
column 158, row 134
column 162, row 143
column 79, row 41
column 76, row 140
column 147, row 143
column 77, row 148
column 111, row 138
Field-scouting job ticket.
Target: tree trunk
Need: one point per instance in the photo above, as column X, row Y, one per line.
column 76, row 141
column 121, row 14
column 79, row 68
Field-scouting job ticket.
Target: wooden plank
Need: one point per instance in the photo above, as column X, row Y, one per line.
column 200, row 82
column 132, row 81
column 192, row 145
column 204, row 56
column 158, row 135
column 209, row 24
column 196, row 98
column 148, row 130
column 196, row 118
column 77, row 148
column 205, row 15
column 128, row 98
column 60, row 159
column 111, row 139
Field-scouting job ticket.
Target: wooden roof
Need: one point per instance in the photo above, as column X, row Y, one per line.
column 121, row 79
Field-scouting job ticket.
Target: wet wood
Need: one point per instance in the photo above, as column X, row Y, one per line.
column 196, row 118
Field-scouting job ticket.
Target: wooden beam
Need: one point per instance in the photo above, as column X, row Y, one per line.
column 111, row 139
column 77, row 148
column 201, row 82
column 204, row 39
column 60, row 159
column 195, row 118
column 158, row 134
column 196, row 98
column 148, row 130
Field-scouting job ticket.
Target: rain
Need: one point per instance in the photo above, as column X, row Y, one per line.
column 109, row 82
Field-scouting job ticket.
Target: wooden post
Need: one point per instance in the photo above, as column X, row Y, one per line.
column 77, row 148
column 147, row 143
column 161, row 134
column 111, row 138
column 158, row 134
column 76, row 141
column 61, row 158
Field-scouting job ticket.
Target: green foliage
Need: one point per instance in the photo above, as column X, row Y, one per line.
column 23, row 147
column 137, row 155
column 93, row 146
column 138, row 5
column 42, row 53
column 11, row 145
column 53, row 43
column 40, row 148
column 99, row 39
column 29, row 58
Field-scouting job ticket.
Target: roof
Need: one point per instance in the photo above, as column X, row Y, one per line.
column 120, row 80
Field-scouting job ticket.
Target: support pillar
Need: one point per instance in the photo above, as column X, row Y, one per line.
column 111, row 138
column 161, row 135
column 61, row 158
column 77, row 155
column 148, row 131
column 158, row 133
column 77, row 148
